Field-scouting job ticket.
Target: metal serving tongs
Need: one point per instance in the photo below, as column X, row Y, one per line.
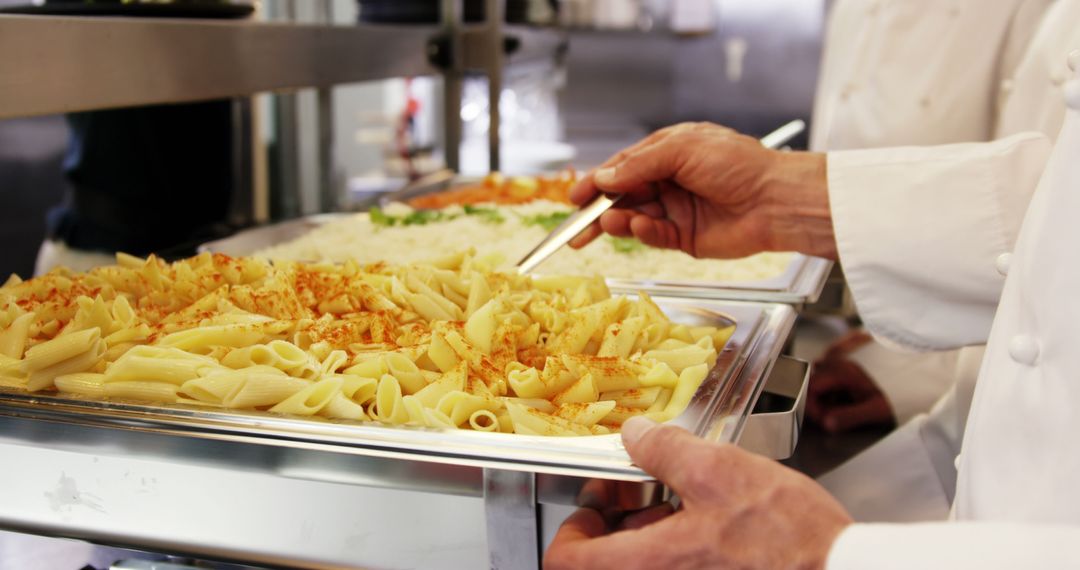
column 589, row 213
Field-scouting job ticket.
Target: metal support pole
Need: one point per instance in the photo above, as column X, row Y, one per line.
column 453, row 80
column 242, row 203
column 513, row 527
column 496, row 18
column 329, row 192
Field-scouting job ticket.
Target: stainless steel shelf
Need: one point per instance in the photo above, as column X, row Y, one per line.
column 52, row 64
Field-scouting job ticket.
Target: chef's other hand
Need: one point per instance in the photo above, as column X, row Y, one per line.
column 713, row 192
column 738, row 510
column 842, row 396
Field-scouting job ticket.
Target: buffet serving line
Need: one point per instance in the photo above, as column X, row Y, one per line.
column 285, row 487
column 174, row 466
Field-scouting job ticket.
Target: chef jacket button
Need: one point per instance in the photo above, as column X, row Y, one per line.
column 1003, row 263
column 1072, row 94
column 956, row 461
column 1074, row 60
column 1024, row 349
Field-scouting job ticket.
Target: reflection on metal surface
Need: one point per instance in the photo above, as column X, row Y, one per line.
column 718, row 409
column 330, row 495
column 599, row 493
column 801, row 284
column 774, row 432
column 218, row 500
column 513, row 531
column 147, row 61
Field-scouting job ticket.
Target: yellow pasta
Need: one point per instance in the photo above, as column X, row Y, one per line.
column 13, row 338
column 446, row 345
column 311, row 400
column 82, row 383
column 145, row 391
column 484, row 420
column 59, row 349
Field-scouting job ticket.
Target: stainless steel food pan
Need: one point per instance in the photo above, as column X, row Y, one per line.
column 800, row 284
column 285, row 492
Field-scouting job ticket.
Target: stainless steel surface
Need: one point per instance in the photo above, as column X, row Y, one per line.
column 799, row 285
column 513, row 527
column 453, row 82
column 718, row 411
column 663, row 78
column 495, row 12
column 330, row 191
column 438, row 180
column 784, row 134
column 261, row 504
column 96, row 63
column 589, row 213
column 298, row 493
column 775, row 434
column 254, row 239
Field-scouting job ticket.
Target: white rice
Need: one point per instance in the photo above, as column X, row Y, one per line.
column 358, row 238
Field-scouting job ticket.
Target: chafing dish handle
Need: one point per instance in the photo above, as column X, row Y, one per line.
column 775, row 433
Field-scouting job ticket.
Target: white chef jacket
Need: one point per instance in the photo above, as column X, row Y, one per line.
column 917, row 72
column 918, row 460
column 928, row 274
column 867, row 98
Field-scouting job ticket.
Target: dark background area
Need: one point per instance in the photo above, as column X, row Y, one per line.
column 31, row 182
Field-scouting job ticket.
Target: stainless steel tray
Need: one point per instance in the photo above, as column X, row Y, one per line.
column 718, row 411
column 282, row 492
column 799, row 285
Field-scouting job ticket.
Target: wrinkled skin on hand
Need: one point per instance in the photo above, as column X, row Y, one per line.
column 841, row 395
column 712, row 192
column 738, row 511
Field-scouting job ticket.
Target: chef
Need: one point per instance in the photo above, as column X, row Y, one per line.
column 876, row 89
column 884, row 484
column 990, row 260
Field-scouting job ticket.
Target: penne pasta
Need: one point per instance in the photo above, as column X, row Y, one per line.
column 449, row 345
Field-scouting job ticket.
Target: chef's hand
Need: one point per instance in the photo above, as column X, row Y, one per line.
column 738, row 511
column 842, row 396
column 713, row 192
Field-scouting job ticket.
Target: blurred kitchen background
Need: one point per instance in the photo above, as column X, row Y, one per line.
column 611, row 72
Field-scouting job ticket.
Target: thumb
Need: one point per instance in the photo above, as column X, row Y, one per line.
column 672, row 455
column 639, row 169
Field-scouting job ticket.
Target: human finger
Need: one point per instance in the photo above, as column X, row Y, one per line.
column 617, row 222
column 583, row 525
column 672, row 455
column 585, row 189
column 641, row 168
column 653, row 209
column 823, row 379
column 655, row 232
column 586, row 236
column 583, row 542
column 872, row 411
column 824, row 392
column 646, row 517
